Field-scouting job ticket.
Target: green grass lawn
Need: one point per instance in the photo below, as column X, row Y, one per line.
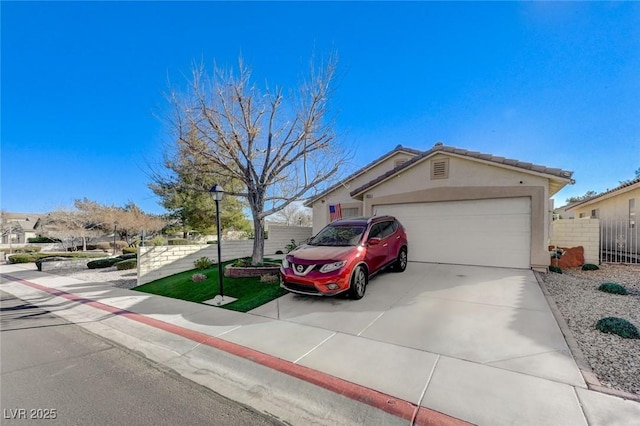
column 250, row 292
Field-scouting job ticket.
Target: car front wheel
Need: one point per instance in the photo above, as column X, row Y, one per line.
column 401, row 261
column 358, row 283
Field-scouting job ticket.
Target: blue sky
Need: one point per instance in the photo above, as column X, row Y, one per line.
column 556, row 84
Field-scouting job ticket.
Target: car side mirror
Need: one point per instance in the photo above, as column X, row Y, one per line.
column 373, row 241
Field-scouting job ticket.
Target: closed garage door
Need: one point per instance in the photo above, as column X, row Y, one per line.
column 495, row 232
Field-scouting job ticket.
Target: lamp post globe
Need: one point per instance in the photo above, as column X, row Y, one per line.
column 217, row 192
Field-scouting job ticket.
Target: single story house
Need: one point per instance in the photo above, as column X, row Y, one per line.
column 17, row 228
column 617, row 203
column 617, row 209
column 458, row 206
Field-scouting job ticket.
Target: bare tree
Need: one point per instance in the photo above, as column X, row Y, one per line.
column 281, row 146
column 293, row 215
column 69, row 226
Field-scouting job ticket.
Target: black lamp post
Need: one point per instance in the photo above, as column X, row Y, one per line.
column 216, row 192
column 115, row 228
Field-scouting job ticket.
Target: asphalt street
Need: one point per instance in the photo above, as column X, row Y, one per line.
column 55, row 372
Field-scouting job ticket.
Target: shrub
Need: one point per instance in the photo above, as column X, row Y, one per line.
column 196, row 278
column 22, row 258
column 555, row 269
column 619, row 326
column 126, row 264
column 27, row 249
column 158, row 240
column 613, row 288
column 589, row 267
column 203, row 263
column 43, row 240
column 103, row 263
column 291, row 246
column 129, row 250
column 105, row 246
column 127, row 256
column 178, row 242
column 212, row 242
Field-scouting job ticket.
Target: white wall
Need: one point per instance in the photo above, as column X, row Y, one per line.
column 155, row 262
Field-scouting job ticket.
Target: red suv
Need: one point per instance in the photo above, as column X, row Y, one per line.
column 344, row 255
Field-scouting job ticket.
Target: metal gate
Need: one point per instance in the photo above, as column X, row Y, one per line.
column 619, row 241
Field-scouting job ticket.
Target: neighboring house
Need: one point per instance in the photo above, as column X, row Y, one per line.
column 458, row 206
column 564, row 212
column 621, row 202
column 617, row 210
column 17, row 228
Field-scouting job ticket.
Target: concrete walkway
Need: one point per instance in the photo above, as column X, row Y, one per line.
column 476, row 344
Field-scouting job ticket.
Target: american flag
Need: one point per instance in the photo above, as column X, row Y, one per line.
column 335, row 212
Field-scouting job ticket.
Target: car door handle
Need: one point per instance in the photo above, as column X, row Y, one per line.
column 385, row 244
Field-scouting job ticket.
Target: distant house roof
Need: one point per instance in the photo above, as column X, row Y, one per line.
column 397, row 149
column 562, row 176
column 625, row 186
column 26, row 221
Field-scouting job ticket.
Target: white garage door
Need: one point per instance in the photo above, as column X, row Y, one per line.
column 495, row 232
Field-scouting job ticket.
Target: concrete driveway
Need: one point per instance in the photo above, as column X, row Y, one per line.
column 476, row 343
column 493, row 316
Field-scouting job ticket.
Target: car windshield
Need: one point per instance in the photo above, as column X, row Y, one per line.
column 343, row 235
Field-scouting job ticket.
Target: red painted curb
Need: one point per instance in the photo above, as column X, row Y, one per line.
column 387, row 403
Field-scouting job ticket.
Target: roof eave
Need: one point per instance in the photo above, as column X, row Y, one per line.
column 396, row 150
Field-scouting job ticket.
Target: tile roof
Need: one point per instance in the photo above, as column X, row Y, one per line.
column 398, row 148
column 608, row 192
column 439, row 147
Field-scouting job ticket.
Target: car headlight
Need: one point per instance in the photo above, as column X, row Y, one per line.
column 333, row 266
column 285, row 262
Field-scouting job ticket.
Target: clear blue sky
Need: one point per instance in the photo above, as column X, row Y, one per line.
column 556, row 84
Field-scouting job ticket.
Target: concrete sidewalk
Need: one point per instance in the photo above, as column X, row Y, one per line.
column 355, row 363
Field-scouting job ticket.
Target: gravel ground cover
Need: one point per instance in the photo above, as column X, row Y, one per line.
column 123, row 279
column 614, row 360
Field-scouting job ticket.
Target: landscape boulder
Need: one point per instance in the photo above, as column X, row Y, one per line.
column 571, row 257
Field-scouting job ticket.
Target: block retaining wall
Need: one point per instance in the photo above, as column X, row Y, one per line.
column 578, row 232
column 155, row 262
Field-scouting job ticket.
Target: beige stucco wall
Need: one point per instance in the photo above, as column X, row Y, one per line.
column 341, row 194
column 615, row 206
column 574, row 233
column 467, row 180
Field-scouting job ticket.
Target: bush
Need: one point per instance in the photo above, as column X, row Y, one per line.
column 291, row 246
column 128, row 250
column 589, row 267
column 43, row 240
column 32, row 257
column 613, row 288
column 22, row 258
column 105, row 246
column 103, row 263
column 25, row 249
column 178, row 242
column 127, row 256
column 158, row 240
column 203, row 263
column 555, row 269
column 126, row 264
column 196, row 278
column 619, row 326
